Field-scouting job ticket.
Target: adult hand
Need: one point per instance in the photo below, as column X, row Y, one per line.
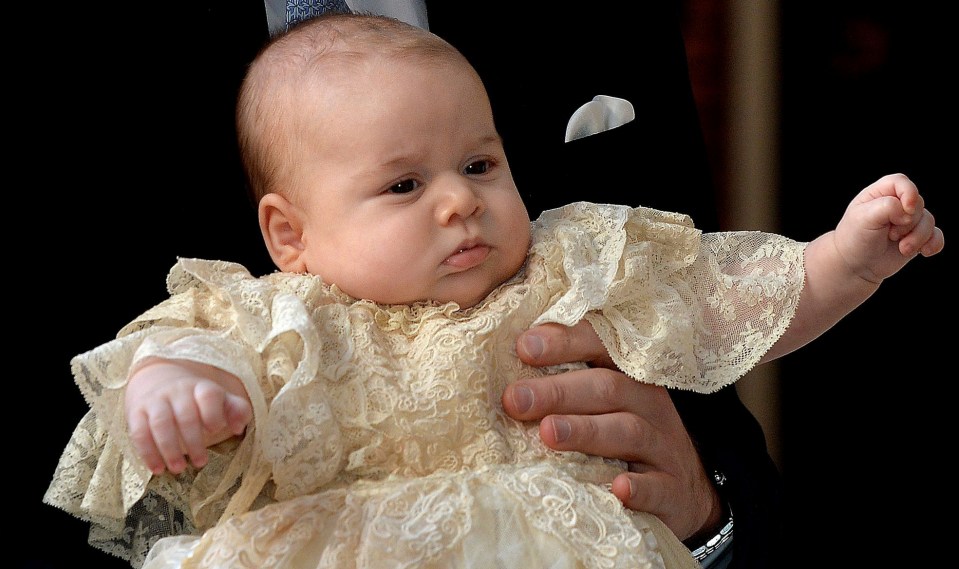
column 601, row 411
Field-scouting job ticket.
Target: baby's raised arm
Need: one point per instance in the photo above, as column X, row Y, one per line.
column 175, row 409
column 884, row 227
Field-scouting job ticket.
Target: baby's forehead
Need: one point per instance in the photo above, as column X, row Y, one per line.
column 355, row 80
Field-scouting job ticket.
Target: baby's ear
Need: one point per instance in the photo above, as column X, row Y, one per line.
column 283, row 232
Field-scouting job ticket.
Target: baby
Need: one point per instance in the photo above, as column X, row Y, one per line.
column 345, row 411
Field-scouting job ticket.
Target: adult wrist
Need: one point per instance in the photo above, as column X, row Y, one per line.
column 713, row 549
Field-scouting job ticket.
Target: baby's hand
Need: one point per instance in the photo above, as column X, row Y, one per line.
column 176, row 409
column 884, row 227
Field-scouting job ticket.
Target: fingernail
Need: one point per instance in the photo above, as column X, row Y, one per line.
column 534, row 345
column 561, row 429
column 632, row 487
column 522, row 398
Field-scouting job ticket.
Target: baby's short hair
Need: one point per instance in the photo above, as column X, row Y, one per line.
column 298, row 60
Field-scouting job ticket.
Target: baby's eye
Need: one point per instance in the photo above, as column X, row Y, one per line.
column 478, row 167
column 403, row 186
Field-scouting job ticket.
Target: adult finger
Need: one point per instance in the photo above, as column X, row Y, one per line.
column 623, row 436
column 685, row 505
column 589, row 391
column 549, row 344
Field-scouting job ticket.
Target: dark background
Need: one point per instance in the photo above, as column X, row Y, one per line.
column 867, row 409
column 866, row 90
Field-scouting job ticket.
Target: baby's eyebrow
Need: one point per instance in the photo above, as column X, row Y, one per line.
column 490, row 139
column 402, row 158
column 405, row 157
column 398, row 160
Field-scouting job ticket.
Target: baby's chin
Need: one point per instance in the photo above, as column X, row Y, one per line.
column 470, row 299
column 467, row 289
column 468, row 295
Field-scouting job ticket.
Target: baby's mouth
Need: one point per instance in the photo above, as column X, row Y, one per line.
column 468, row 257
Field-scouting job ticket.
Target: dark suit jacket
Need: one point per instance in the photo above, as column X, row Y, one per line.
column 163, row 113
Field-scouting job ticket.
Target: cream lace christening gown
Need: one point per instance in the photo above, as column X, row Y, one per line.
column 378, row 438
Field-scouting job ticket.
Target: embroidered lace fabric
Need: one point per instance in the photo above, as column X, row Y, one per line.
column 378, row 439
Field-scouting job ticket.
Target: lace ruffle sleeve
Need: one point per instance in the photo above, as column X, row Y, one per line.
column 674, row 306
column 218, row 315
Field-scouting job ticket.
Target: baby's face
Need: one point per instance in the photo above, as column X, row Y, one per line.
column 406, row 193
